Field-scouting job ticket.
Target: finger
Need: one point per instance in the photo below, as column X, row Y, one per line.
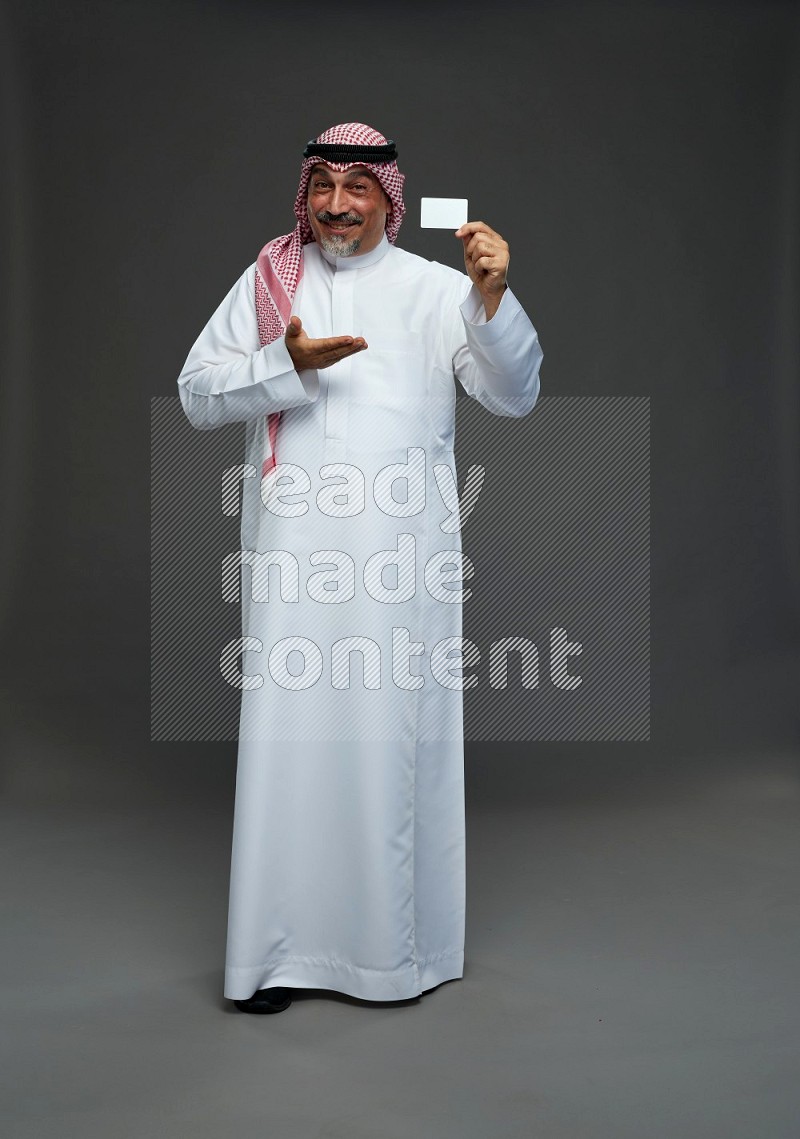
column 329, row 358
column 470, row 240
column 488, row 265
column 339, row 345
column 477, row 247
column 357, row 346
column 471, row 227
column 295, row 326
column 331, row 343
column 472, row 255
column 486, row 243
column 484, row 249
column 340, row 352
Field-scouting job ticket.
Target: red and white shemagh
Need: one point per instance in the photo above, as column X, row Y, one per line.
column 280, row 263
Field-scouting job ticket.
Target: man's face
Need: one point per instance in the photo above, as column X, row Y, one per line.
column 347, row 209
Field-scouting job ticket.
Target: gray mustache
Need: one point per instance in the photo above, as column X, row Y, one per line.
column 352, row 219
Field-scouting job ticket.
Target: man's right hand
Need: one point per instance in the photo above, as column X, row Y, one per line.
column 307, row 353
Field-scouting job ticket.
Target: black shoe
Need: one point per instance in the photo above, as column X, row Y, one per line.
column 266, row 1000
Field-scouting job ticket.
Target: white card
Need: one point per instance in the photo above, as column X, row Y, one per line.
column 443, row 213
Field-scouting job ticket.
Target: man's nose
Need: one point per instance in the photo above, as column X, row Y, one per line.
column 339, row 201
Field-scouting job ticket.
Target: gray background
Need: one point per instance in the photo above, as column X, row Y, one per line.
column 632, row 925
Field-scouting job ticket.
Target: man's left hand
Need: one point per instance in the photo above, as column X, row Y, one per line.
column 486, row 259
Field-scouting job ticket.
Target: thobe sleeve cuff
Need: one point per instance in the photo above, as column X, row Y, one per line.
column 474, row 314
column 295, row 387
column 229, row 377
column 499, row 364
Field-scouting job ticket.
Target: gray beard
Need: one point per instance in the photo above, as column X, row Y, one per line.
column 338, row 247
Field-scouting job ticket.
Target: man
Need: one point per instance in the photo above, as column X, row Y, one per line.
column 341, row 353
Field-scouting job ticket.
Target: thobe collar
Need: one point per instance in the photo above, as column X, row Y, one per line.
column 358, row 260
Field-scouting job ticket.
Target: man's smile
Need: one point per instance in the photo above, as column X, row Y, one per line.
column 339, row 225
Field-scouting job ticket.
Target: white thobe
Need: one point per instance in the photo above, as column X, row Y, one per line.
column 347, row 867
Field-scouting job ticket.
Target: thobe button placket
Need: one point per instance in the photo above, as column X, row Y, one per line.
column 342, row 323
